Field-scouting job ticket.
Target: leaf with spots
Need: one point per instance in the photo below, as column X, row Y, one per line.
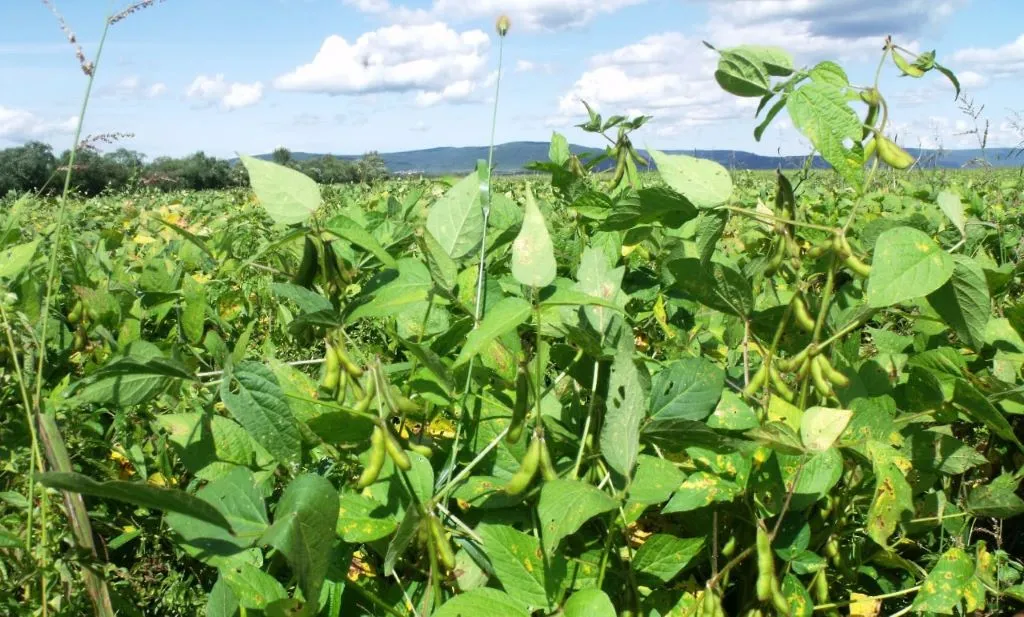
column 654, row 481
column 533, row 255
column 362, row 519
column 701, row 489
column 518, row 564
column 688, row 389
column 565, row 505
column 662, row 556
column 907, row 264
column 800, row 602
column 893, row 495
column 946, row 583
column 480, row 603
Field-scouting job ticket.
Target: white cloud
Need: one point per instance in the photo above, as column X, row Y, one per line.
column 529, row 15
column 133, row 87
column 1004, row 61
column 524, row 66
column 211, row 90
column 22, row 125
column 432, row 60
column 647, row 78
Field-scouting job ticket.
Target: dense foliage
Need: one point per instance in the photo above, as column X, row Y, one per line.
column 696, row 393
column 33, row 167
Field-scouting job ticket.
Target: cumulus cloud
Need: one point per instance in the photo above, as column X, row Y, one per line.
column 216, row 90
column 817, row 28
column 133, row 87
column 22, row 125
column 999, row 62
column 647, row 78
column 434, row 61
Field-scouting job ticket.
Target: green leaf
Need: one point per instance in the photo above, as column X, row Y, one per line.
column 533, row 255
column 893, row 495
column 717, row 286
column 14, row 259
column 137, row 493
column 589, row 603
column 800, row 602
column 830, row 73
column 209, row 445
column 222, row 601
column 742, row 75
column 129, row 388
column 260, row 407
column 733, row 414
column 703, row 182
column 362, row 519
column 997, row 499
column 820, row 427
column 253, row 588
column 819, row 110
column 596, row 277
column 950, row 204
column 663, row 556
column 410, row 289
column 945, row 585
column 304, row 528
column 688, row 389
column 907, row 264
column 973, row 403
column 777, row 61
column 710, row 226
column 654, row 481
column 347, row 229
column 193, row 314
column 627, row 399
column 701, row 489
column 964, row 302
column 565, row 505
column 518, row 564
column 403, row 537
column 456, row 220
column 778, row 436
column 442, row 267
column 481, row 602
column 505, row 316
column 288, row 196
column 559, row 152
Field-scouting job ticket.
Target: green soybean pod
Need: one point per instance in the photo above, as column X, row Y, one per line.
column 821, row 384
column 442, row 546
column 547, row 469
column 802, row 315
column 395, row 450
column 376, row 459
column 527, row 469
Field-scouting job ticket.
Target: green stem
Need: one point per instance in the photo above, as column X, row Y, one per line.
column 590, row 417
column 884, row 596
column 771, row 218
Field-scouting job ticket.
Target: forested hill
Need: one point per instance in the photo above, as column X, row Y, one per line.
column 512, row 158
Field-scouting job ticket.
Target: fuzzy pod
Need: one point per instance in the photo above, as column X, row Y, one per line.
column 375, row 462
column 527, row 469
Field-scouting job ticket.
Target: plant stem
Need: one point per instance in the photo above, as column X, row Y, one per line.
column 884, row 596
column 586, row 424
column 771, row 218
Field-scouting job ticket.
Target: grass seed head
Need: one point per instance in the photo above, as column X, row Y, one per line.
column 502, row 25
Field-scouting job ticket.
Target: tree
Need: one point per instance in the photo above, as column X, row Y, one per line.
column 26, row 168
column 283, row 156
column 371, row 167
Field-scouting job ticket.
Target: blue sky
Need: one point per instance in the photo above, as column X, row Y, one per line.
column 347, row 76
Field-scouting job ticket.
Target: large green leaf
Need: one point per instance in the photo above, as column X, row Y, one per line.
column 703, row 182
column 699, row 490
column 597, row 278
column 533, row 255
column 260, row 407
column 820, row 427
column 456, row 220
column 481, row 602
column 363, row 519
column 742, row 74
column 138, row 493
column 288, row 196
column 125, row 389
column 518, row 564
column 688, row 389
column 344, row 227
column 14, row 259
column 663, row 556
column 222, row 601
column 946, row 583
column 907, row 264
column 654, row 481
column 252, row 587
column 303, row 529
column 950, row 204
column 409, row 290
column 589, row 603
column 964, row 302
column 209, row 445
column 717, row 286
column 505, row 316
column 193, row 313
column 565, row 505
column 820, row 111
column 973, row 403
column 626, row 407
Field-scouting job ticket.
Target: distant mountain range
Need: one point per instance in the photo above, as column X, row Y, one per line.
column 511, row 158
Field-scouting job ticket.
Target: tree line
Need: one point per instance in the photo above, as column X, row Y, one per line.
column 33, row 167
